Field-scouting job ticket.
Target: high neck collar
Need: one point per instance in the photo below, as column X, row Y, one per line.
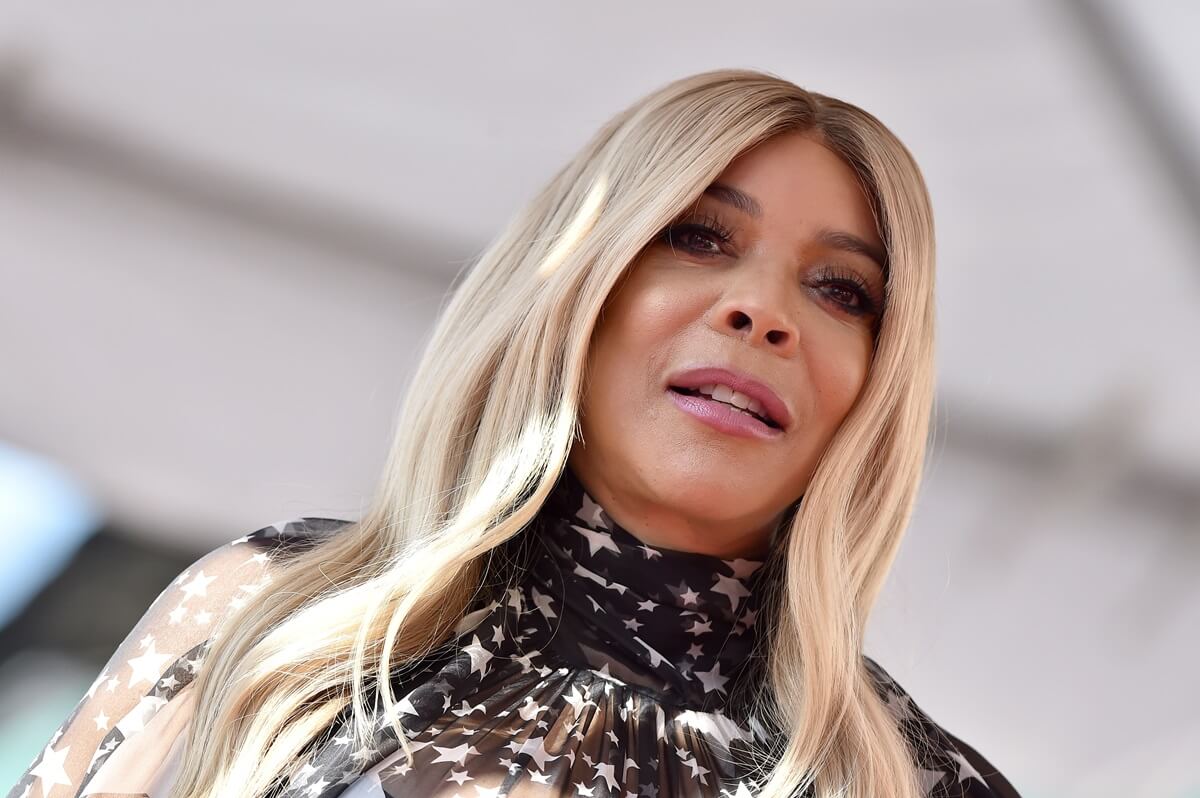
column 680, row 623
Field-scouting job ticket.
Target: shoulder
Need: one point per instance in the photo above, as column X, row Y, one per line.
column 948, row 767
column 122, row 730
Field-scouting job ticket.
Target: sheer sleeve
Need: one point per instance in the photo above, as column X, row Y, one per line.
column 946, row 766
column 124, row 735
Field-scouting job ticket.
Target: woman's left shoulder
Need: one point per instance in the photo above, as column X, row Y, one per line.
column 948, row 766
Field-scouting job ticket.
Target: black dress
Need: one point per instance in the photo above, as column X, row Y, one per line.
column 592, row 665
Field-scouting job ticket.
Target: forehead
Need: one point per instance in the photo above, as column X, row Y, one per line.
column 796, row 180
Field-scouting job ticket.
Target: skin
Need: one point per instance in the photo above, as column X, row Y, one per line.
column 762, row 303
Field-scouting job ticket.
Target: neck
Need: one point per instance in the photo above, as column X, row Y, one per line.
column 670, row 529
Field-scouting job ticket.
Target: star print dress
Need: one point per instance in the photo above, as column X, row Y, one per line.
column 604, row 667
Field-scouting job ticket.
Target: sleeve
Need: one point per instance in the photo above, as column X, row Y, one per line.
column 123, row 736
column 998, row 786
column 947, row 766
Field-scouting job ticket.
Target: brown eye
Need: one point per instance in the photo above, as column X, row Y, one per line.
column 849, row 291
column 695, row 238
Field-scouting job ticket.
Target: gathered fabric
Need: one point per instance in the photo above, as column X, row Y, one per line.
column 591, row 664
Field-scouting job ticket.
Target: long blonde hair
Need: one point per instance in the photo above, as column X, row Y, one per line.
column 491, row 416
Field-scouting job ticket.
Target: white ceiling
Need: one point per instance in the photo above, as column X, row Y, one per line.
column 1068, row 272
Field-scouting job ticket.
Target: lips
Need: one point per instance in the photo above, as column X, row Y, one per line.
column 773, row 406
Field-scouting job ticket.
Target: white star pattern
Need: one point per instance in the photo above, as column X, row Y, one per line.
column 49, row 771
column 198, row 586
column 597, row 540
column 712, row 679
column 965, row 769
column 541, row 666
column 480, row 656
column 734, row 589
column 146, row 668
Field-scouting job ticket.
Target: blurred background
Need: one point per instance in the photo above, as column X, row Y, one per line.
column 225, row 231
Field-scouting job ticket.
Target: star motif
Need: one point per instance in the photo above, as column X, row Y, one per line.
column 582, row 790
column 540, row 778
column 929, row 779
column 577, row 701
column 697, row 771
column 464, row 710
column 605, row 771
column 698, row 628
column 199, row 585
column 542, row 602
column 530, row 709
column 591, row 512
column 457, row 754
column 650, row 553
column 597, row 540
column 304, row 774
column 147, row 667
column 712, row 680
column 459, row 776
column 317, row 787
column 647, row 605
column 632, row 623
column 535, row 747
column 50, row 769
column 732, row 589
column 965, row 769
column 480, row 656
column 101, row 721
column 743, row 568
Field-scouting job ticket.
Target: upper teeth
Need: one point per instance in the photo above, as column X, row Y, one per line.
column 723, row 393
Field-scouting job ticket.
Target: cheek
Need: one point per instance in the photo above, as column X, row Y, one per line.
column 633, row 348
column 840, row 371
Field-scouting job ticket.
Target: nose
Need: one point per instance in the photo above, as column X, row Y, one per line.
column 754, row 312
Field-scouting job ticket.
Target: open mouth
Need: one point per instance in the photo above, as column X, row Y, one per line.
column 697, row 393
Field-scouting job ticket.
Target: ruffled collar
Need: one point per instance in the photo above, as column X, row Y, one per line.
column 682, row 624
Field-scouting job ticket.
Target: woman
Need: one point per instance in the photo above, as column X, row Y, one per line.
column 655, row 464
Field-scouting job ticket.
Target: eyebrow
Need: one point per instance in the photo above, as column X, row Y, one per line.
column 837, row 239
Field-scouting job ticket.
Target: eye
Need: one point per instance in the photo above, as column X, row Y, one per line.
column 704, row 236
column 848, row 290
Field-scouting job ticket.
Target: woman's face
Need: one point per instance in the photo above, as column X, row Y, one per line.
column 759, row 278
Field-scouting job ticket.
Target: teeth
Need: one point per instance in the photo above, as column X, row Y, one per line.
column 723, row 393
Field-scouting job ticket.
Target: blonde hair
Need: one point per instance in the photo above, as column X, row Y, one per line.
column 491, row 416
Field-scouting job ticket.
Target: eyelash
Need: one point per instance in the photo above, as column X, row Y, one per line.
column 711, row 225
